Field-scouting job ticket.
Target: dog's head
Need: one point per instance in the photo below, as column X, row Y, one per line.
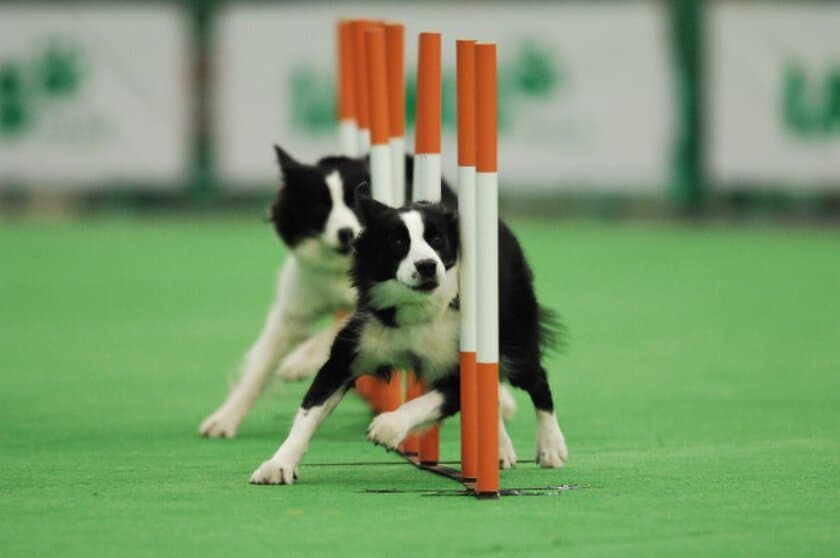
column 405, row 256
column 313, row 211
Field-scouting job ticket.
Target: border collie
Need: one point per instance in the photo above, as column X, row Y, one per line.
column 405, row 267
column 314, row 216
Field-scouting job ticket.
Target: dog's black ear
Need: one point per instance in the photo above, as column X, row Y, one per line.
column 452, row 228
column 367, row 208
column 287, row 162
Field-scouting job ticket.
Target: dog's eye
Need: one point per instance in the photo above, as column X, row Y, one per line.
column 436, row 241
column 397, row 242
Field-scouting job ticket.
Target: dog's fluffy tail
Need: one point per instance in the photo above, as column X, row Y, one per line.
column 553, row 333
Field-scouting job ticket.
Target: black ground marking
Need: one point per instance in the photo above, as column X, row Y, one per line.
column 377, row 463
column 525, row 491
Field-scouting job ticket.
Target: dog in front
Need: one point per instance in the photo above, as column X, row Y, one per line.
column 405, row 268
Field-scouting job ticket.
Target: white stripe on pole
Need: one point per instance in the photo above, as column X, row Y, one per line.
column 467, row 263
column 487, row 254
column 363, row 142
column 380, row 173
column 397, row 146
column 427, row 177
column 348, row 134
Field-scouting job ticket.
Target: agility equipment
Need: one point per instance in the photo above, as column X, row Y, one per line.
column 395, row 60
column 371, row 105
column 465, row 63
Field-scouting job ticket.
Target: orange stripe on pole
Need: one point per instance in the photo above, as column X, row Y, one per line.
column 377, row 84
column 395, row 58
column 465, row 62
column 488, row 431
column 390, row 396
column 430, row 442
column 360, row 72
column 428, row 111
column 346, row 91
column 486, row 99
column 469, row 417
column 413, row 390
column 430, row 446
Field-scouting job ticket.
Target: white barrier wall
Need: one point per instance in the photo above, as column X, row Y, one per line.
column 585, row 90
column 774, row 94
column 93, row 96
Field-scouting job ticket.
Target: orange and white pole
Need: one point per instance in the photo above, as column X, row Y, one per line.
column 465, row 69
column 348, row 131
column 487, row 244
column 390, row 392
column 428, row 120
column 427, row 172
column 377, row 87
column 395, row 59
column 360, row 83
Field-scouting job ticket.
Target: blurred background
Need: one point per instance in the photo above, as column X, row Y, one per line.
column 644, row 108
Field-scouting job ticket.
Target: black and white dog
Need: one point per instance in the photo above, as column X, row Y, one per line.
column 314, row 216
column 405, row 267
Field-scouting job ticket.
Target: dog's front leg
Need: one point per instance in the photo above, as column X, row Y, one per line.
column 390, row 429
column 285, row 327
column 323, row 395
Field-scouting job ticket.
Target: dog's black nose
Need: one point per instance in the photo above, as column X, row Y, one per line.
column 345, row 235
column 426, row 268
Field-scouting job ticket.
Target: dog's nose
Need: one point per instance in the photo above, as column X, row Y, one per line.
column 426, row 268
column 345, row 235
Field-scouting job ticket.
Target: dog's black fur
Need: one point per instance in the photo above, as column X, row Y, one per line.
column 302, row 206
column 524, row 328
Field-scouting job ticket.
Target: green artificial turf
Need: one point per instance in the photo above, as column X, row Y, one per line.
column 698, row 393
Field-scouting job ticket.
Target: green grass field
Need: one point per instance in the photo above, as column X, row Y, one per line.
column 699, row 393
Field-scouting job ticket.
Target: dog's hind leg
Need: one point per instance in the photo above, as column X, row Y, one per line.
column 285, row 327
column 551, row 444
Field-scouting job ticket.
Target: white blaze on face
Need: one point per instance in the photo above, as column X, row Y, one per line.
column 419, row 250
column 341, row 216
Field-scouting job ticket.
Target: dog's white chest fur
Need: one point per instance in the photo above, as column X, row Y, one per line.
column 434, row 344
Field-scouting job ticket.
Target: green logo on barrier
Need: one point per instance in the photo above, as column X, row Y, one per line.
column 52, row 76
column 811, row 104
column 534, row 73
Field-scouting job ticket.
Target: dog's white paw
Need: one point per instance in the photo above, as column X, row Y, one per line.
column 388, row 429
column 221, row 424
column 551, row 444
column 301, row 363
column 507, row 403
column 507, row 455
column 276, row 471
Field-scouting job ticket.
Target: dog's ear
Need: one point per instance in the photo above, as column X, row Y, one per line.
column 287, row 162
column 367, row 208
column 452, row 227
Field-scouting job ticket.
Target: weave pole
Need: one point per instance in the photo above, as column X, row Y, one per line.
column 395, row 60
column 427, row 131
column 427, row 172
column 487, row 245
column 465, row 69
column 348, row 130
column 360, row 83
column 381, row 177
